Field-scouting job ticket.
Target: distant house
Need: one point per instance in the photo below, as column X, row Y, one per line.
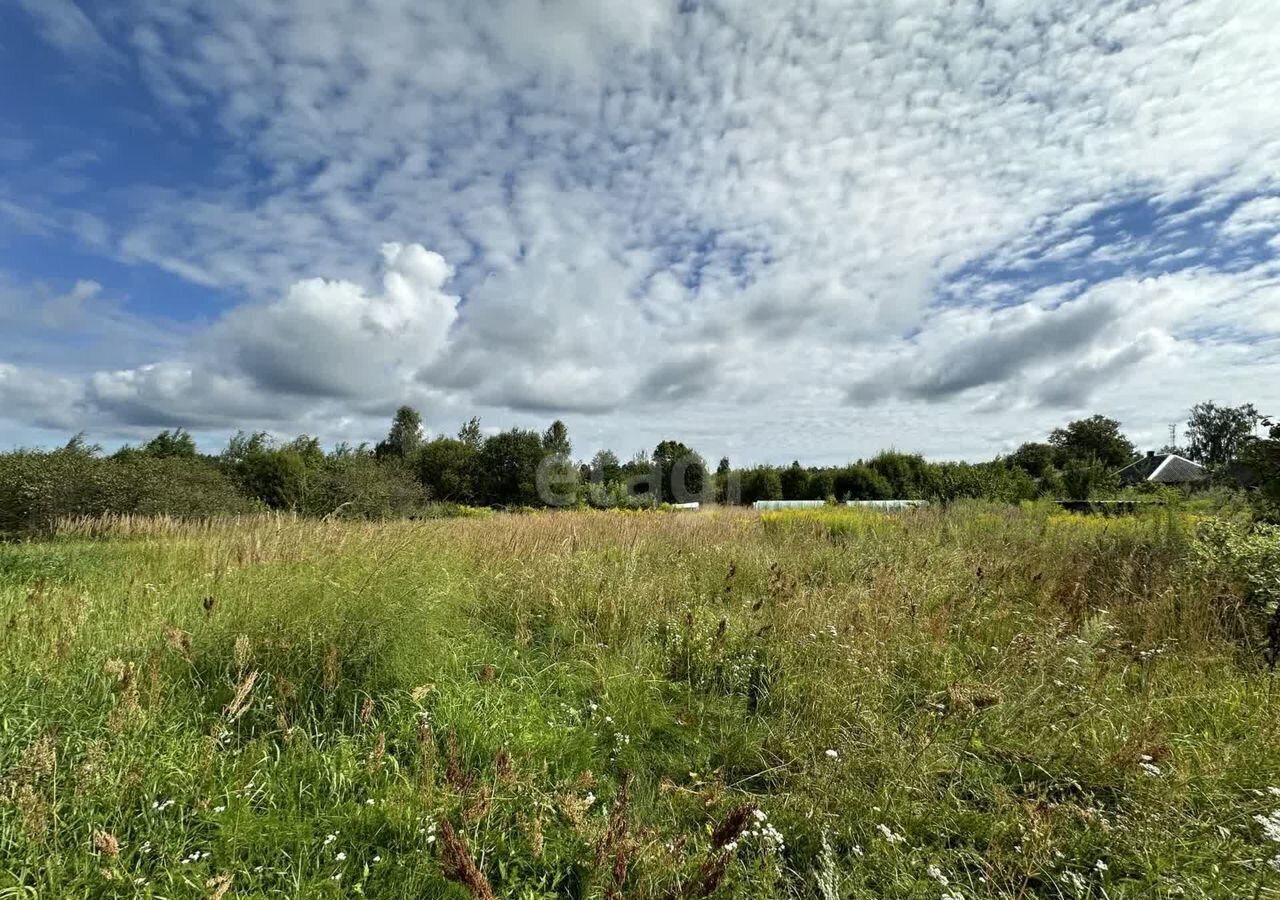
column 1163, row 468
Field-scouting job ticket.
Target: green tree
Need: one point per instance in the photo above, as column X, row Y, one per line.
column 276, row 477
column 176, row 444
column 761, row 483
column 724, row 477
column 1216, row 435
column 447, row 468
column 405, row 437
column 509, row 464
column 683, row 472
column 470, row 434
column 605, row 467
column 308, row 449
column 795, row 482
column 1096, row 439
column 1036, row 459
column 555, row 440
column 1085, row 479
column 861, row 482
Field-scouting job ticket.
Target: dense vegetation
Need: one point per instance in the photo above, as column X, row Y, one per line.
column 972, row 702
column 407, row 476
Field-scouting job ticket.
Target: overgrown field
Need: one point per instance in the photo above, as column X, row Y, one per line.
column 977, row 702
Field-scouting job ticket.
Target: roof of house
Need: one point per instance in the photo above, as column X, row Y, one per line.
column 1164, row 468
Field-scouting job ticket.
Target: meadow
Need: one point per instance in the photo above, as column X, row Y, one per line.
column 970, row 702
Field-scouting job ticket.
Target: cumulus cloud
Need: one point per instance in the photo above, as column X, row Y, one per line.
column 749, row 214
column 332, row 338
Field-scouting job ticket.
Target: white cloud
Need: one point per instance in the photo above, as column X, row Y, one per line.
column 740, row 210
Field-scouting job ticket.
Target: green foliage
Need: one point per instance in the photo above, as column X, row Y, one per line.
column 1216, row 435
column 1261, row 459
column 405, row 437
column 682, row 472
column 555, row 440
column 861, row 482
column 471, row 435
column 795, row 482
column 761, row 483
column 1036, row 459
column 1097, row 440
column 605, row 467
column 450, row 470
column 1083, row 479
column 39, row 488
column 509, row 464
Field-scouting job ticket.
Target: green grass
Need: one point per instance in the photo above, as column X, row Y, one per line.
column 1021, row 703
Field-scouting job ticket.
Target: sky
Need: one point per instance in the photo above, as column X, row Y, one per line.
column 773, row 231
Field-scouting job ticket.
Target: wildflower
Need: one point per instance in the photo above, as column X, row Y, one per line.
column 1270, row 825
column 589, row 799
column 1274, row 791
column 952, row 895
column 341, row 856
column 760, row 815
column 832, row 754
column 219, row 809
column 889, row 834
column 377, row 858
column 1100, row 866
column 936, row 874
column 329, row 839
column 1077, row 881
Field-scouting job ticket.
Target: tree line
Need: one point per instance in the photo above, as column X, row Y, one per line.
column 408, row 474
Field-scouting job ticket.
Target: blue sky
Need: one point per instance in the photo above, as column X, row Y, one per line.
column 808, row 231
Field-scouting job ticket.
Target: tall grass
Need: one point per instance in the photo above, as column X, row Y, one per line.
column 981, row 701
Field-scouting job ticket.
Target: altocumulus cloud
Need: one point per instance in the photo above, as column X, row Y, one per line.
column 771, row 230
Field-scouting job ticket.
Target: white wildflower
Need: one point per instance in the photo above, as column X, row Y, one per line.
column 936, row 874
column 341, row 856
column 1270, row 825
column 832, row 754
column 889, row 834
column 1100, row 866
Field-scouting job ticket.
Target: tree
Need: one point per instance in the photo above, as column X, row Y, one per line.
column 795, row 482
column 176, row 444
column 470, row 434
column 860, row 482
column 276, row 477
column 508, row 464
column 682, row 472
column 1217, row 434
column 447, row 468
column 1084, row 479
column 907, row 474
column 761, row 483
column 555, row 440
column 308, row 450
column 1096, row 439
column 405, row 437
column 822, row 484
column 1036, row 459
column 725, row 491
column 605, row 467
